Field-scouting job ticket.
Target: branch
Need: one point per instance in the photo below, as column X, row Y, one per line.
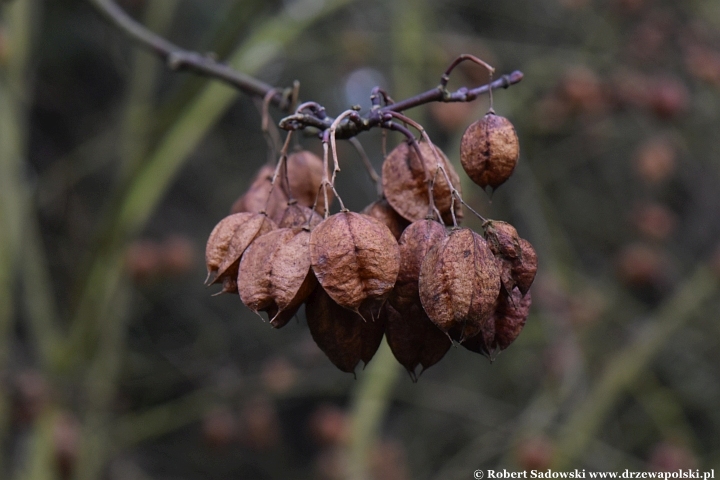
column 381, row 115
column 178, row 59
column 308, row 115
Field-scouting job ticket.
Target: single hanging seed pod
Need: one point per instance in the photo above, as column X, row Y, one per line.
column 253, row 280
column 413, row 338
column 459, row 283
column 255, row 200
column 355, row 258
column 416, row 241
column 510, row 317
column 502, row 239
column 343, row 335
column 291, row 277
column 274, row 274
column 297, row 215
column 504, row 242
column 305, row 174
column 228, row 241
column 525, row 266
column 405, row 182
column 489, row 150
column 507, row 322
column 256, row 225
column 381, row 210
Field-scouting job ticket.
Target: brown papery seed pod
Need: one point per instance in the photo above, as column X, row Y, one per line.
column 502, row 239
column 415, row 242
column 255, row 200
column 405, row 182
column 247, row 227
column 218, row 244
column 291, row 277
column 274, row 274
column 343, row 335
column 506, row 324
column 504, row 242
column 305, row 172
column 253, row 279
column 297, row 215
column 525, row 266
column 355, row 258
column 413, row 338
column 489, row 150
column 459, row 283
column 381, row 210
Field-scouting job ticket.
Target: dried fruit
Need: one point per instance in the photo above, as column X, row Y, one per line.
column 502, row 239
column 459, row 283
column 505, row 325
column 255, row 200
column 228, row 241
column 413, row 338
column 305, row 174
column 274, row 274
column 516, row 256
column 504, row 242
column 296, row 215
column 415, row 243
column 381, row 210
column 525, row 266
column 490, row 150
column 405, row 182
column 343, row 335
column 355, row 258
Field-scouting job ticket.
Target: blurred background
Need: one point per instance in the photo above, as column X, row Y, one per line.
column 117, row 363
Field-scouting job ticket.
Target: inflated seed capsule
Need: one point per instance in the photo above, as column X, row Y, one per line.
column 489, row 150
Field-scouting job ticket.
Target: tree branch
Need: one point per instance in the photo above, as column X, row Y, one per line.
column 308, row 115
column 177, row 58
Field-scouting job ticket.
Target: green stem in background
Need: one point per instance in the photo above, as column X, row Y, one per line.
column 139, row 107
column 627, row 365
column 370, row 403
column 101, row 385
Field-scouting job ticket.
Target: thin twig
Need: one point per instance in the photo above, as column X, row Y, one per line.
column 368, row 165
column 177, row 58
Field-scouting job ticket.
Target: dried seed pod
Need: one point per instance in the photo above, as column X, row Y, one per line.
column 253, row 278
column 489, row 150
column 255, row 200
column 405, row 182
column 343, row 335
column 506, row 324
column 297, row 215
column 355, row 258
column 291, row 277
column 502, row 239
column 381, row 210
column 504, row 242
column 305, row 173
column 413, row 338
column 222, row 237
column 525, row 266
column 274, row 274
column 459, row 283
column 415, row 242
column 228, row 242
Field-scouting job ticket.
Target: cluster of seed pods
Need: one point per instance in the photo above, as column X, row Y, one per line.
column 402, row 268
